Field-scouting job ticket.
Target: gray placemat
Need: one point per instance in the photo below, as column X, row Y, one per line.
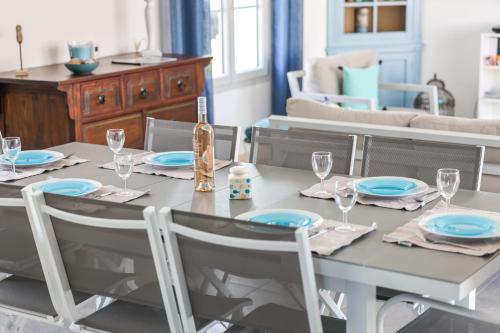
column 324, row 240
column 21, row 173
column 407, row 203
column 410, row 234
column 112, row 193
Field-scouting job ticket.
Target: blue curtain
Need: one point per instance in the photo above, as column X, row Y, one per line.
column 287, row 46
column 190, row 33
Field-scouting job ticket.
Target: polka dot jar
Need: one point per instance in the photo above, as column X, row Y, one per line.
column 240, row 183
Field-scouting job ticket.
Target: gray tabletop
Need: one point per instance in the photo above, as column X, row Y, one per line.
column 369, row 260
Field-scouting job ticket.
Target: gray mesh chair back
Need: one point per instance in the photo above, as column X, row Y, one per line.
column 226, row 258
column 102, row 248
column 421, row 160
column 169, row 135
column 293, row 148
column 18, row 254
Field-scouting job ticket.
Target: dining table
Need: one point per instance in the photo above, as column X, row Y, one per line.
column 355, row 270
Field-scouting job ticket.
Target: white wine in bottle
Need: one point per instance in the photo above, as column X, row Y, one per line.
column 203, row 147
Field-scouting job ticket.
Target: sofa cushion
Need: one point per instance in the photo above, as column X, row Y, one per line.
column 324, row 76
column 458, row 124
column 360, row 82
column 301, row 107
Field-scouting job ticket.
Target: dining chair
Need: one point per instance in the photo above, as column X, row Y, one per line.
column 421, row 160
column 168, row 135
column 24, row 294
column 115, row 251
column 440, row 317
column 271, row 265
column 293, row 148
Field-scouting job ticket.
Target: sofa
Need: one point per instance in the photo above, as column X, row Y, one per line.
column 481, row 128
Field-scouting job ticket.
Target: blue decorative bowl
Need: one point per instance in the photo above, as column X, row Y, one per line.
column 82, row 69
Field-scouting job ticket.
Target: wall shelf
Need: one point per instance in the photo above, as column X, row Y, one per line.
column 489, row 77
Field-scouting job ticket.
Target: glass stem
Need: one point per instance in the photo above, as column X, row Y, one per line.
column 14, row 167
column 323, row 185
column 344, row 218
column 125, row 187
column 448, row 203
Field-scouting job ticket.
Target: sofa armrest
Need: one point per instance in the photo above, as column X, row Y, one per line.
column 369, row 102
column 432, row 91
column 293, row 82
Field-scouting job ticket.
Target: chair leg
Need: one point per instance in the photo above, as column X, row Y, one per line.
column 332, row 303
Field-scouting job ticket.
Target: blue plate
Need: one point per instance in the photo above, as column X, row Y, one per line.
column 459, row 225
column 70, row 187
column 387, row 186
column 171, row 159
column 34, row 157
column 284, row 219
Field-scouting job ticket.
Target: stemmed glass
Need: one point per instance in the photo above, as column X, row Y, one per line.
column 346, row 195
column 124, row 163
column 11, row 147
column 322, row 165
column 116, row 139
column 448, row 181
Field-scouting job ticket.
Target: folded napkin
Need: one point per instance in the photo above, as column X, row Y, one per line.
column 410, row 234
column 7, row 175
column 324, row 240
column 407, row 203
column 111, row 193
column 180, row 173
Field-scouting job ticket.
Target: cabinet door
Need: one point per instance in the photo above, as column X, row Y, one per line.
column 132, row 124
column 179, row 112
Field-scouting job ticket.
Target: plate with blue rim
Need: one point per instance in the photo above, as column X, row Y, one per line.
column 291, row 218
column 171, row 159
column 391, row 187
column 73, row 187
column 31, row 158
column 461, row 225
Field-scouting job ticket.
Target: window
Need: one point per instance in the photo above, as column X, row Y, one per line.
column 239, row 41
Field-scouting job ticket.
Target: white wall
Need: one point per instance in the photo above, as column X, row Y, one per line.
column 450, row 34
column 47, row 25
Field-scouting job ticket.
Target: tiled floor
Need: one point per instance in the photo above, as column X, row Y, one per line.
column 488, row 300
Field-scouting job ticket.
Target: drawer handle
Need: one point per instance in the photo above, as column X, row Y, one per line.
column 144, row 92
column 180, row 84
column 101, row 99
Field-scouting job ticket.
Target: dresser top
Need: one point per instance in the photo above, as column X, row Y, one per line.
column 58, row 74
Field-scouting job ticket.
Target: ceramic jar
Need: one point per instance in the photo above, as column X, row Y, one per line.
column 240, row 183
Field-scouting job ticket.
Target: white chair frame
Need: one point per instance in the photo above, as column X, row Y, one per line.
column 301, row 247
column 294, row 78
column 447, row 307
column 52, row 263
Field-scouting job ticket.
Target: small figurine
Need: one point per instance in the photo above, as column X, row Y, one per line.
column 19, row 37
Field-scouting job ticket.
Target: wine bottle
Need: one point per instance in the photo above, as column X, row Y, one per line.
column 203, row 147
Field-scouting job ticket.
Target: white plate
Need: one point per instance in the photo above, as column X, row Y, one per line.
column 421, row 188
column 56, row 156
column 427, row 225
column 315, row 218
column 95, row 185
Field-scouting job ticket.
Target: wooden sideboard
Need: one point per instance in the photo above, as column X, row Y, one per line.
column 51, row 106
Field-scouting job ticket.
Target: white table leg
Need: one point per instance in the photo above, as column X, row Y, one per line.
column 469, row 301
column 361, row 308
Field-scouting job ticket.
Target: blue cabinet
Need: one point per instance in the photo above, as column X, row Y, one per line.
column 393, row 30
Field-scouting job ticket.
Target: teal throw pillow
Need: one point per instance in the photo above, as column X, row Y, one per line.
column 360, row 82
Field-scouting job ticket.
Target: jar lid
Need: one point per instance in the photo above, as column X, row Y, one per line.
column 239, row 170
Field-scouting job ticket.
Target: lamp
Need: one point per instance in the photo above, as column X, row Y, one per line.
column 152, row 49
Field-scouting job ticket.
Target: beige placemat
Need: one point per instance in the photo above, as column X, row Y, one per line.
column 409, row 203
column 111, row 193
column 21, row 173
column 138, row 159
column 324, row 240
column 410, row 234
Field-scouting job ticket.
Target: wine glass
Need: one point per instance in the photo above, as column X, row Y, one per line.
column 124, row 163
column 322, row 165
column 346, row 194
column 11, row 147
column 116, row 139
column 448, row 181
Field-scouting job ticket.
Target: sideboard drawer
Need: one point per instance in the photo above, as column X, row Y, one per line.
column 180, row 81
column 101, row 96
column 142, row 89
column 132, row 124
column 179, row 112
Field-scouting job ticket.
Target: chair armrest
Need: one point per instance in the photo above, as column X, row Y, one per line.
column 293, row 82
column 432, row 91
column 446, row 307
column 369, row 102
